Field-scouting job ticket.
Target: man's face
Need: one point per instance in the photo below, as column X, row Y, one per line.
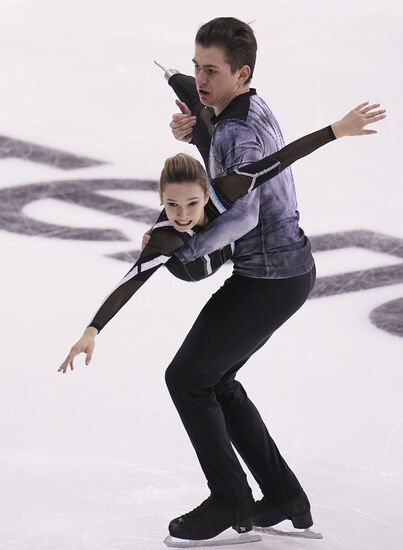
column 215, row 82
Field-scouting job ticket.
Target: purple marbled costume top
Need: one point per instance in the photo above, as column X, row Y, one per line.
column 269, row 242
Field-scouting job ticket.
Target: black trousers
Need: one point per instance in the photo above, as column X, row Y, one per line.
column 214, row 407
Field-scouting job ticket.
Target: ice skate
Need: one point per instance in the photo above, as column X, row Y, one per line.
column 205, row 525
column 297, row 510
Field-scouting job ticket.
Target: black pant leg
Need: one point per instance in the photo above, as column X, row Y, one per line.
column 247, row 431
column 228, row 330
column 197, row 367
column 252, row 440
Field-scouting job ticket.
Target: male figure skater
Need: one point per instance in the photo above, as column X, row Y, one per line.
column 273, row 275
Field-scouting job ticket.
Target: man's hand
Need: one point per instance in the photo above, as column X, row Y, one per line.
column 354, row 122
column 182, row 123
column 146, row 238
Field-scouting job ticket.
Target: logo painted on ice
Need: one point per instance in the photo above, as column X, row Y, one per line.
column 84, row 192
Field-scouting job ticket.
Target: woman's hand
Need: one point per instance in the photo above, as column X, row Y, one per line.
column 86, row 344
column 354, row 122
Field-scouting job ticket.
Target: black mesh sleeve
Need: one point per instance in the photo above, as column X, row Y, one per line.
column 163, row 243
column 119, row 296
column 232, row 187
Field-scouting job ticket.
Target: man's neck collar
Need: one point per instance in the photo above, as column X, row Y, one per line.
column 236, row 100
column 219, row 110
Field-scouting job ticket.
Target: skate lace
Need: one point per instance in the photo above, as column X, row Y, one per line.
column 203, row 510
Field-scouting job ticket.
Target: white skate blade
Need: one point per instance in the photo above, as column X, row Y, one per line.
column 305, row 533
column 172, row 542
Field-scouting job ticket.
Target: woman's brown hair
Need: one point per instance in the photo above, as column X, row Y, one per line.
column 183, row 168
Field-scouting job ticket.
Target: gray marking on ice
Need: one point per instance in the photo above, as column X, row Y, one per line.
column 24, row 150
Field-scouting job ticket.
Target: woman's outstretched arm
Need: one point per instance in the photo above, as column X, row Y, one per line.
column 237, row 186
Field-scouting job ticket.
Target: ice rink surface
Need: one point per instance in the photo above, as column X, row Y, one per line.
column 97, row 459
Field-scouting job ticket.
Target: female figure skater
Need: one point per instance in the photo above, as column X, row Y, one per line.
column 183, row 176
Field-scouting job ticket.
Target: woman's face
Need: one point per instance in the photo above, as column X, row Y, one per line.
column 184, row 204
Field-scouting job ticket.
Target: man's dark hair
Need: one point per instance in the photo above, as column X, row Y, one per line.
column 235, row 37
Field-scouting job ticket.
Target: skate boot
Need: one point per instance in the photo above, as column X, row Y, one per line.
column 297, row 509
column 208, row 520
